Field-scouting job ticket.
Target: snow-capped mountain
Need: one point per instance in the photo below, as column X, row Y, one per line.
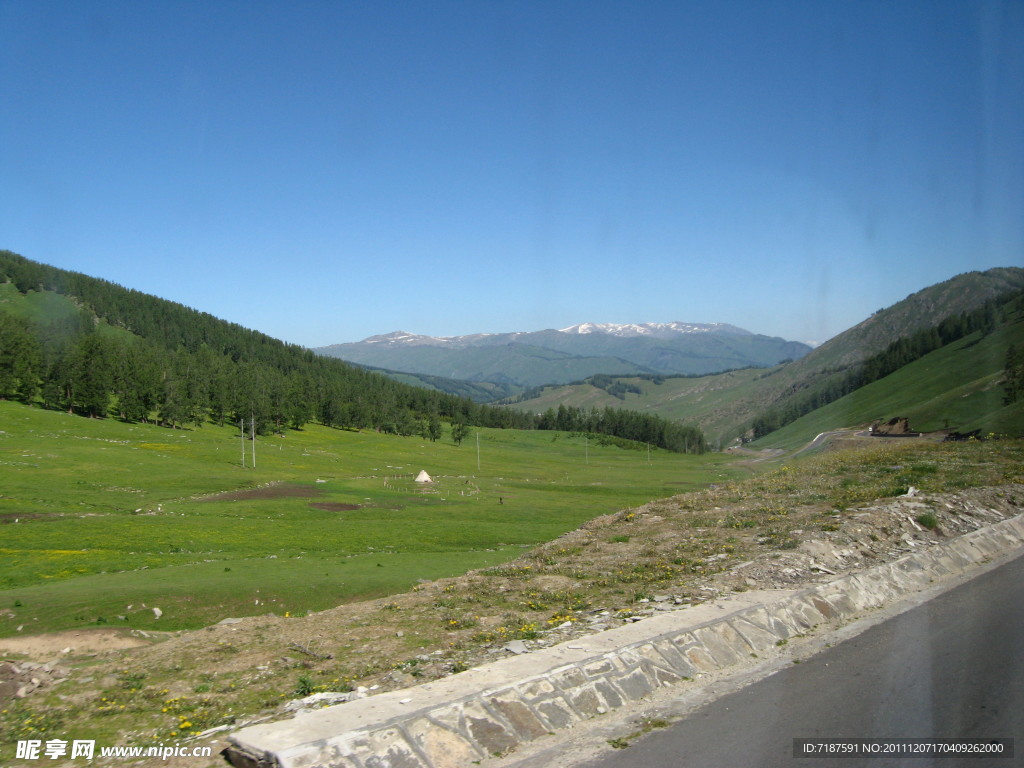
column 553, row 356
column 653, row 330
column 404, row 337
column 622, row 330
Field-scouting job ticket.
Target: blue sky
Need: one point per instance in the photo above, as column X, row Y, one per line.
column 324, row 171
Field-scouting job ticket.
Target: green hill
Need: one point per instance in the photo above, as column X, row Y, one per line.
column 957, row 387
column 477, row 391
column 93, row 348
column 516, row 365
column 707, row 401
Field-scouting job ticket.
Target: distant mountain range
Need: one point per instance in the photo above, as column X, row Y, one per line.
column 529, row 359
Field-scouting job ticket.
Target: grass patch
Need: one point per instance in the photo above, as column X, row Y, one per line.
column 645, row 727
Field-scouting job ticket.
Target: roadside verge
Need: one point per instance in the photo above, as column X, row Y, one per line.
column 490, row 710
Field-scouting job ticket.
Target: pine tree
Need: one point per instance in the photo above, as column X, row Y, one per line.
column 21, row 359
column 90, row 375
column 459, row 432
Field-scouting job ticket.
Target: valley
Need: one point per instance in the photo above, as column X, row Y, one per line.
column 99, row 515
column 240, row 526
column 346, row 348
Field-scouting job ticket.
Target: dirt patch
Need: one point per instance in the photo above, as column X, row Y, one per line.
column 14, row 517
column 282, row 491
column 552, row 583
column 80, row 641
column 18, row 680
column 333, row 506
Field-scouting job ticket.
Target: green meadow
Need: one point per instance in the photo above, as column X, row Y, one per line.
column 102, row 521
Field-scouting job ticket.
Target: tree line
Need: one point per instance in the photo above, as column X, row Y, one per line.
column 135, row 357
column 631, row 425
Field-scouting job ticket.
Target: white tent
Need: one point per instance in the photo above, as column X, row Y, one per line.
column 423, row 477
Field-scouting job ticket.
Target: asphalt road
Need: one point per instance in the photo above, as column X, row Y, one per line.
column 952, row 667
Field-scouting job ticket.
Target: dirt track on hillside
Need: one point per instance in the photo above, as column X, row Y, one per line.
column 80, row 641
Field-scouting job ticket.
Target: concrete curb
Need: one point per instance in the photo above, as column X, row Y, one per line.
column 489, row 710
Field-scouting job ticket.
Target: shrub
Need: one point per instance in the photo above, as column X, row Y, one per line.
column 304, row 686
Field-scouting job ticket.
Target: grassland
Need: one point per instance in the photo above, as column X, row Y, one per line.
column 37, row 306
column 103, row 521
column 608, row 570
column 707, row 401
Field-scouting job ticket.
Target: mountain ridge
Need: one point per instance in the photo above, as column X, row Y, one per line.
column 625, row 330
column 532, row 358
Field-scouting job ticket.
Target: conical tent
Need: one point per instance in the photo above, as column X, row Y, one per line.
column 423, row 477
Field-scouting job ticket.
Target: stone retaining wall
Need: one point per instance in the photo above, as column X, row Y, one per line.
column 457, row 721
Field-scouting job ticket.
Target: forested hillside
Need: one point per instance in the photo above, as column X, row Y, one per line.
column 95, row 348
column 972, row 385
column 901, row 352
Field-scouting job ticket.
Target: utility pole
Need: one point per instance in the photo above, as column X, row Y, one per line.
column 252, row 424
column 241, row 431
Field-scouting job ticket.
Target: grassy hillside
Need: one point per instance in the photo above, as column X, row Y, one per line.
column 36, row 306
column 956, row 387
column 98, row 515
column 725, row 405
column 922, row 309
column 706, row 401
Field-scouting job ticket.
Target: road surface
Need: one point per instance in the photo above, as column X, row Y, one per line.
column 952, row 667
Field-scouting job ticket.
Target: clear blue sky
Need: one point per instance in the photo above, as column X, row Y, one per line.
column 324, row 171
